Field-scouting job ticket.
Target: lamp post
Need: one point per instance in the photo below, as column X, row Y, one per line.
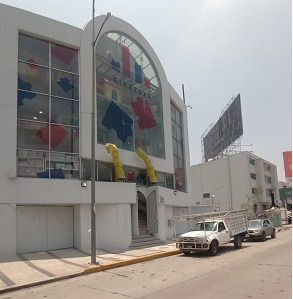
column 93, row 140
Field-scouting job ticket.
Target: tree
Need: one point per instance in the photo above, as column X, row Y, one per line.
column 253, row 200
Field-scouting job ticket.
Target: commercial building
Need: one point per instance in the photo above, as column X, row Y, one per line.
column 46, row 86
column 228, row 183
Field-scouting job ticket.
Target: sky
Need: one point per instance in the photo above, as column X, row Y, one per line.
column 217, row 49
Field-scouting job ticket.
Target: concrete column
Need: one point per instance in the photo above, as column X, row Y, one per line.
column 134, row 219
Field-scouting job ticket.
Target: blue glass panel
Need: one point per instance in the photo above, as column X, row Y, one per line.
column 65, row 85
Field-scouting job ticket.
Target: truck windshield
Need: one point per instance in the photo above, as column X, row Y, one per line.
column 210, row 226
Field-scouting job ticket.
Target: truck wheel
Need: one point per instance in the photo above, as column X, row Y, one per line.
column 263, row 236
column 238, row 241
column 273, row 235
column 213, row 248
column 186, row 252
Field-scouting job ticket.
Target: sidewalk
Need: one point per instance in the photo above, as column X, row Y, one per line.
column 26, row 270
column 31, row 269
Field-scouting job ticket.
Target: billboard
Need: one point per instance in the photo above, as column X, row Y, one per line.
column 227, row 129
column 287, row 157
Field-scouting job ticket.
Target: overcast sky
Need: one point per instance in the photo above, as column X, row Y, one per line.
column 217, row 48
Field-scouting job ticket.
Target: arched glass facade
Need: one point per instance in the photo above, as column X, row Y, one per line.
column 129, row 96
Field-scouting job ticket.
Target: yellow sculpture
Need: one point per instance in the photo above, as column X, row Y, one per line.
column 112, row 148
column 148, row 163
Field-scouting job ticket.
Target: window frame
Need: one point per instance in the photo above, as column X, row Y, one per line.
column 69, row 161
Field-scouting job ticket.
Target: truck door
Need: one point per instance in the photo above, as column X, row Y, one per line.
column 223, row 233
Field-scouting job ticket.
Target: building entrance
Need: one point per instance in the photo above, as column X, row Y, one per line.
column 142, row 214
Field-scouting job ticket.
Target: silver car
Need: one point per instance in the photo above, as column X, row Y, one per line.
column 260, row 229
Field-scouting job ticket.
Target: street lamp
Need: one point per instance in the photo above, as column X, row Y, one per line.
column 93, row 141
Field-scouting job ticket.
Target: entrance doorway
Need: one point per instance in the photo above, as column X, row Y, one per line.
column 142, row 214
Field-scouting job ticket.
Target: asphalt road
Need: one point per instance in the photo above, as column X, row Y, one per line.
column 258, row 270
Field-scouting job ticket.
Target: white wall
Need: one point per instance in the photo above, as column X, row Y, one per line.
column 57, row 191
column 7, row 230
column 211, row 177
column 229, row 180
column 113, row 227
column 240, row 179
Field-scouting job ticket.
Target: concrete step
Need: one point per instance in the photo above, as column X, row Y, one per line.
column 143, row 241
column 143, row 237
column 144, row 244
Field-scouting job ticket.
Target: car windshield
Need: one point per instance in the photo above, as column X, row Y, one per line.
column 254, row 223
column 210, row 226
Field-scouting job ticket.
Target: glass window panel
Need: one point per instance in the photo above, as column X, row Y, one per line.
column 36, row 108
column 64, row 139
column 36, row 80
column 161, row 179
column 175, row 151
column 86, row 169
column 178, row 117
column 33, row 50
column 173, row 112
column 32, row 135
column 169, row 181
column 104, row 172
column 173, row 129
column 180, row 151
column 178, row 134
column 134, row 93
column 65, row 112
column 179, row 183
column 175, row 163
column 180, row 167
column 64, row 58
column 65, row 85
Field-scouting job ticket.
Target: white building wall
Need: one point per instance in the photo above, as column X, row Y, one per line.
column 230, row 181
column 239, row 179
column 7, row 230
column 212, row 177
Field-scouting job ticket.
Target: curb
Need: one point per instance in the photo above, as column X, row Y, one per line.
column 92, row 269
column 37, row 283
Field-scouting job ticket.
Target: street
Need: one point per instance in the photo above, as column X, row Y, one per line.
column 257, row 270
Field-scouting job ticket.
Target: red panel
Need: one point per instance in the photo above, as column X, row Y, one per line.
column 126, row 61
column 287, row 157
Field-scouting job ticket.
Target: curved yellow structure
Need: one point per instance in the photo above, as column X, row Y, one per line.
column 113, row 150
column 148, row 163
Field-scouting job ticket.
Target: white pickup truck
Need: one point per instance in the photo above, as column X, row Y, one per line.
column 213, row 230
